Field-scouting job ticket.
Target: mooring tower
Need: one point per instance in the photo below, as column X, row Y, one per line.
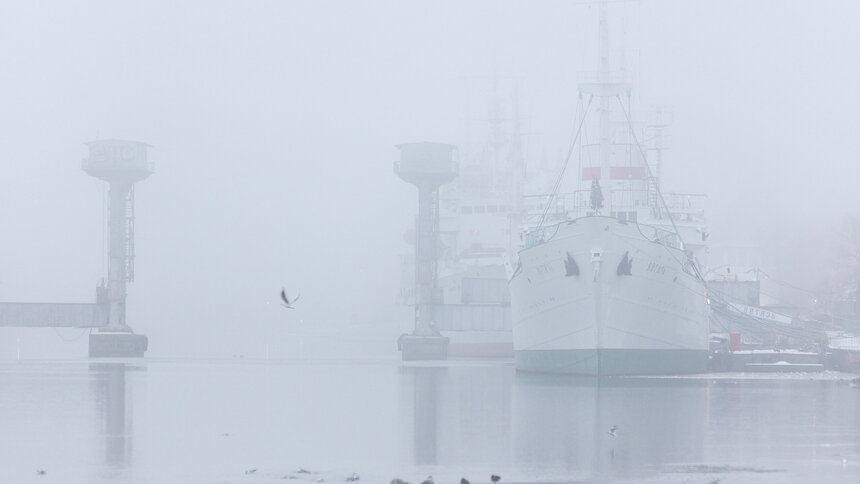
column 121, row 164
column 428, row 166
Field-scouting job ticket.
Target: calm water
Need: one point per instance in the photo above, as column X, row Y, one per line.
column 211, row 421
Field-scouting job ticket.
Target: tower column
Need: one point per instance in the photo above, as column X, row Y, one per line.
column 117, row 253
column 425, row 261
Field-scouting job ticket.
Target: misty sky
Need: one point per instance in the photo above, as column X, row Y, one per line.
column 273, row 127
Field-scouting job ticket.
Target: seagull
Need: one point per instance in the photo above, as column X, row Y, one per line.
column 41, row 472
column 352, row 478
column 251, row 471
column 287, row 303
column 612, row 431
column 398, row 481
column 495, row 478
column 302, row 470
column 429, row 480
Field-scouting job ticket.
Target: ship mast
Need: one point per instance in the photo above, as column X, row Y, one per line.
column 603, row 77
column 606, row 86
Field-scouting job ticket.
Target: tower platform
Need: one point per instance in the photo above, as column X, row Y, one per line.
column 414, row 347
column 119, row 344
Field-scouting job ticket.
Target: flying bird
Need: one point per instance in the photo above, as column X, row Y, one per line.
column 612, row 431
column 287, row 303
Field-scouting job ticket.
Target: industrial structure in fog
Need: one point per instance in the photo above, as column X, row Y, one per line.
column 427, row 166
column 121, row 164
column 480, row 213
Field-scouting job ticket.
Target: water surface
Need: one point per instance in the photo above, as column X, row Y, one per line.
column 202, row 421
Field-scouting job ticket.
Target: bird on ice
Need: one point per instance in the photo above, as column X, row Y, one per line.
column 287, row 303
column 429, row 480
column 612, row 431
column 495, row 478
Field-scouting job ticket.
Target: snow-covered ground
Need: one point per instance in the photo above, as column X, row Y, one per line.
column 739, row 375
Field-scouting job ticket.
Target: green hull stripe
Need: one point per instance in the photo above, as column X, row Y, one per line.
column 613, row 362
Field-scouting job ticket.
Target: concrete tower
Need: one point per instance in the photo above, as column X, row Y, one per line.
column 121, row 164
column 427, row 166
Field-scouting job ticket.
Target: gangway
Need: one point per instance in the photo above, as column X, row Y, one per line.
column 54, row 315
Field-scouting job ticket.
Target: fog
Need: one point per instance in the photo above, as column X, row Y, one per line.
column 273, row 127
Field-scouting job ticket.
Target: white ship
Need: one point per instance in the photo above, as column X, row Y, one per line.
column 607, row 281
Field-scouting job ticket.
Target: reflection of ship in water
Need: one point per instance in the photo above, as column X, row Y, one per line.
column 565, row 422
column 110, row 397
column 471, row 417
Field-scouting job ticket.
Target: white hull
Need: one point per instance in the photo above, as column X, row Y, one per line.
column 652, row 320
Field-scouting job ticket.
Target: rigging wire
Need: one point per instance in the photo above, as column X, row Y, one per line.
column 656, row 188
column 787, row 284
column 558, row 180
column 75, row 337
column 104, row 226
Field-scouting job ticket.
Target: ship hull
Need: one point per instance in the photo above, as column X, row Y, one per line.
column 599, row 297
